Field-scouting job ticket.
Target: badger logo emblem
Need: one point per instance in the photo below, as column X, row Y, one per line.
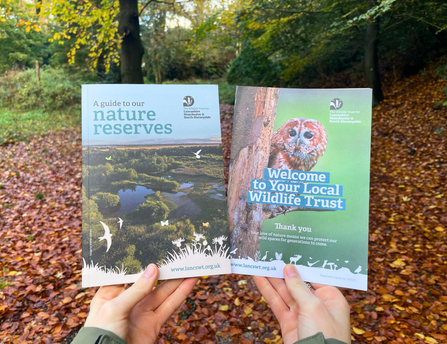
column 336, row 104
column 188, row 101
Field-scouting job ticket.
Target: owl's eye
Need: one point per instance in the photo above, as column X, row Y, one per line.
column 308, row 135
column 292, row 132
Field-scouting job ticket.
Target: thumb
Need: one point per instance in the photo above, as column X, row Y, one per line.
column 296, row 286
column 138, row 291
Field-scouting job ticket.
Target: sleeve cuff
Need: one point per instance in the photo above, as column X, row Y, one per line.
column 97, row 335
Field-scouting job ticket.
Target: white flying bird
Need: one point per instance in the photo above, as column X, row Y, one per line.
column 120, row 222
column 197, row 154
column 107, row 235
column 164, row 223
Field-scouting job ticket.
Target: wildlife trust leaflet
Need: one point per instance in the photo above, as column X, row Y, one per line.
column 299, row 183
column 153, row 183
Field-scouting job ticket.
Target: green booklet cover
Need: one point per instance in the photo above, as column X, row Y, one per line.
column 299, row 183
column 153, row 184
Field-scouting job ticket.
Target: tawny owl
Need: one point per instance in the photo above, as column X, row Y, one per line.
column 297, row 145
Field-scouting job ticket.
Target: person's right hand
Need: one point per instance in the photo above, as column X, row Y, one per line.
column 301, row 312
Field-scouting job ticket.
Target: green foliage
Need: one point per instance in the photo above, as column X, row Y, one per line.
column 106, row 201
column 160, row 184
column 226, row 92
column 55, row 91
column 293, row 43
column 122, row 174
column 131, row 264
column 149, row 212
column 22, row 41
column 253, row 67
column 40, row 195
column 4, row 283
column 181, row 52
column 441, row 70
column 91, row 24
column 91, row 218
column 20, row 126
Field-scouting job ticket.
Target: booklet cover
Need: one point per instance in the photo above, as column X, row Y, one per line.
column 153, row 183
column 299, row 183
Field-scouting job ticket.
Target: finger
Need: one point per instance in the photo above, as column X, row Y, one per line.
column 318, row 285
column 104, row 294
column 296, row 286
column 276, row 302
column 159, row 294
column 125, row 302
column 281, row 288
column 173, row 301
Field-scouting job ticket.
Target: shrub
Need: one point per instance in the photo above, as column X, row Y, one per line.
column 253, row 67
column 56, row 90
column 106, row 201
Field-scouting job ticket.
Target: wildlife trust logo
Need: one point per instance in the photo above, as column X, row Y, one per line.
column 336, row 104
column 188, row 101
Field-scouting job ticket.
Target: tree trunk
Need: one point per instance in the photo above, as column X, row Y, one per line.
column 252, row 133
column 372, row 61
column 131, row 47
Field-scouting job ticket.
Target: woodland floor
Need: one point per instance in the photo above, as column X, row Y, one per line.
column 41, row 300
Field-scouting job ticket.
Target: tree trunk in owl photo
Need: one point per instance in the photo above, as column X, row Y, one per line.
column 252, row 133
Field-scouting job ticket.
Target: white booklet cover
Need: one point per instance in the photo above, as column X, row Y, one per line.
column 153, row 183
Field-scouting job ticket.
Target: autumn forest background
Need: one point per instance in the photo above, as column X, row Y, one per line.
column 396, row 47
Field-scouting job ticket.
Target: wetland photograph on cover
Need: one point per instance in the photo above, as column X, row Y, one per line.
column 152, row 204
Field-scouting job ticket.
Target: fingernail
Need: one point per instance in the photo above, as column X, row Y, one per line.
column 291, row 271
column 150, row 271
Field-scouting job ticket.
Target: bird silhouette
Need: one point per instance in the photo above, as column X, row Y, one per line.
column 107, row 236
column 234, row 251
column 278, row 256
column 357, row 271
column 312, row 264
column 265, row 256
column 197, row 154
column 120, row 222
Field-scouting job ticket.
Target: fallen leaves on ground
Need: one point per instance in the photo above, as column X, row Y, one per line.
column 41, row 300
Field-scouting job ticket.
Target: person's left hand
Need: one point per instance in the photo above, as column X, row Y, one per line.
column 137, row 314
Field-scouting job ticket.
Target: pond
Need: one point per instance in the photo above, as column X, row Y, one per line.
column 130, row 199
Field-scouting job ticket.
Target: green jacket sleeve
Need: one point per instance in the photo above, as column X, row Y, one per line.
column 94, row 335
column 319, row 339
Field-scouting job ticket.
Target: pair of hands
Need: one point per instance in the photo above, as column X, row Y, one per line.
column 137, row 314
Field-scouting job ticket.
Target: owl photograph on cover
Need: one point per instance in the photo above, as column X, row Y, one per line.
column 296, row 145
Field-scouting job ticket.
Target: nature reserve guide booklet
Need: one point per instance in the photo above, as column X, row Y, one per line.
column 153, row 183
column 299, row 183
